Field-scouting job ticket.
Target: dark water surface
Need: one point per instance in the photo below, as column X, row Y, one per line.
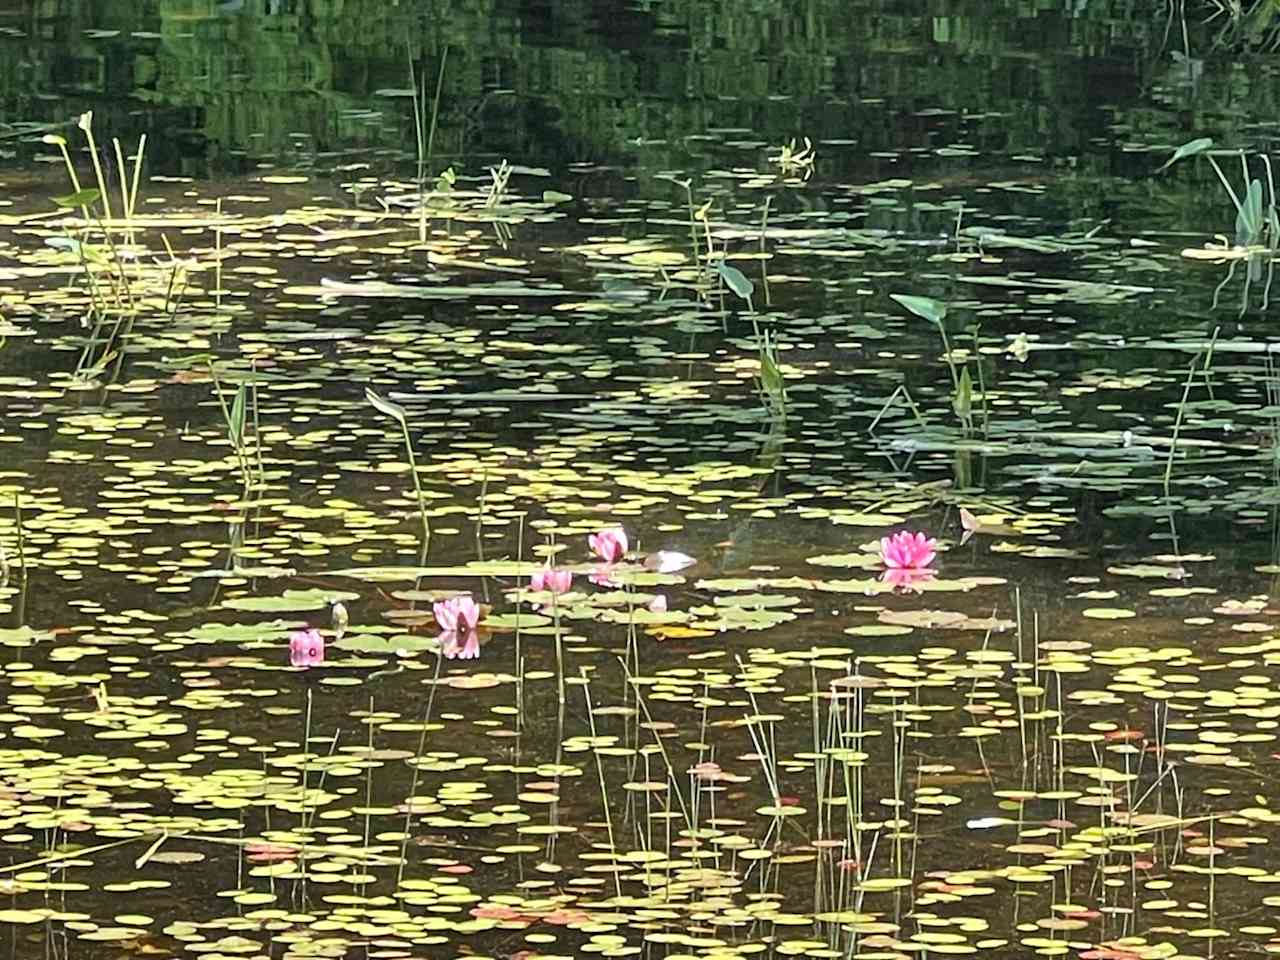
column 1063, row 744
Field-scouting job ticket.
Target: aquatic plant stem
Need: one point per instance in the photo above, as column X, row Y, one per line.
column 484, row 490
column 1226, row 183
column 764, row 259
column 898, row 744
column 820, row 759
column 302, row 803
column 417, row 119
column 662, row 748
column 1271, row 190
column 693, row 229
column 517, row 640
column 71, row 172
column 137, row 174
column 553, row 808
column 604, row 787
column 555, row 616
column 306, row 756
column 417, row 485
column 123, row 174
column 982, row 386
column 1212, row 873
column 435, row 108
column 397, row 412
column 22, row 539
column 235, row 425
column 75, row 853
column 855, row 790
column 417, row 772
column 257, row 425
column 368, row 781
column 97, row 167
column 899, row 390
column 1182, row 408
column 170, row 301
column 217, row 256
column 946, row 355
column 1022, row 709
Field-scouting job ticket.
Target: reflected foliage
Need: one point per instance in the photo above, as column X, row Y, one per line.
column 298, row 80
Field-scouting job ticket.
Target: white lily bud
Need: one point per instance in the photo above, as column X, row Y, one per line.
column 340, row 619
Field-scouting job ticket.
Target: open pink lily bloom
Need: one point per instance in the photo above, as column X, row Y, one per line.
column 610, row 544
column 464, row 647
column 551, row 578
column 306, row 648
column 907, row 551
column 457, row 614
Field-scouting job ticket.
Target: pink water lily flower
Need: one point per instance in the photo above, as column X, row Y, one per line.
column 306, row 648
column 457, row 614
column 554, row 579
column 464, row 647
column 907, row 551
column 610, row 544
column 658, row 604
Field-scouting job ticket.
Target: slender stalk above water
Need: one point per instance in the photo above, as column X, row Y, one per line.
column 397, row 412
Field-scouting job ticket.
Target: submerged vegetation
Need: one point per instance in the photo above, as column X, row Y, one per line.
column 810, row 549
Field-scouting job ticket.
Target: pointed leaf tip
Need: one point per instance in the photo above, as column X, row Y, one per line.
column 386, row 406
column 1188, row 149
column 935, row 311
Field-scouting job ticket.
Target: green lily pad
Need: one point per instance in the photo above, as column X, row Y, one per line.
column 510, row 621
column 495, row 568
column 290, row 600
column 860, row 560
column 22, row 636
column 401, row 644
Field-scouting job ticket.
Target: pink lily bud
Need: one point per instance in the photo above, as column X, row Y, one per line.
column 306, row 648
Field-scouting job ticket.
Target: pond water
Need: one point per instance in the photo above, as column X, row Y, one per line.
column 758, row 286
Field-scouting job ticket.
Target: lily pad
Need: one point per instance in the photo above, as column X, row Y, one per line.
column 290, row 600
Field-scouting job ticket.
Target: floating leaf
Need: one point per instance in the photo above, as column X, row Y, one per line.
column 1107, row 613
column 81, row 198
column 884, row 884
column 943, row 620
column 516, row 620
column 290, row 600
